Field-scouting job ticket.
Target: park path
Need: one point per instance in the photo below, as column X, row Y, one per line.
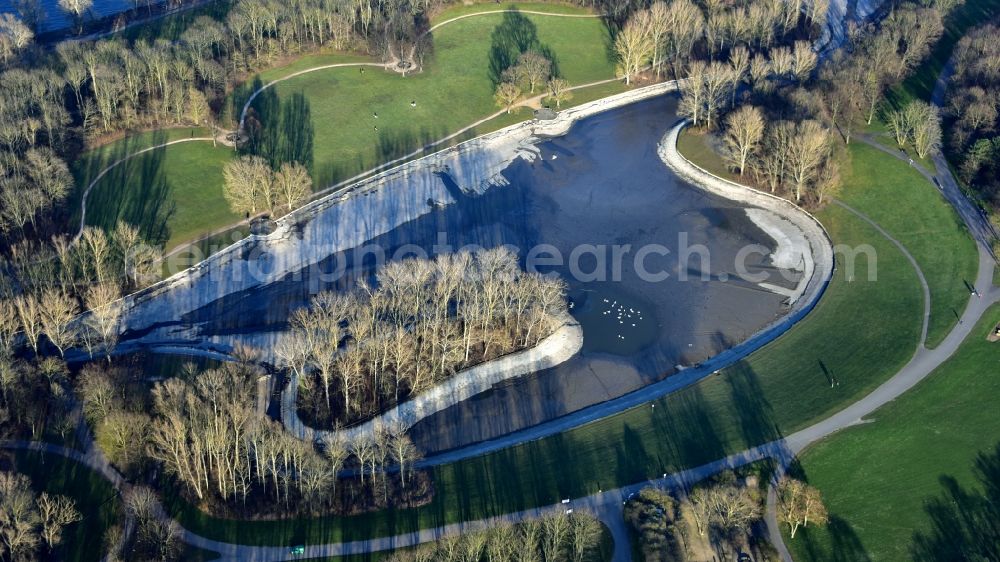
column 100, row 175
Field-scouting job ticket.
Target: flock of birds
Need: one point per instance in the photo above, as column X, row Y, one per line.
column 623, row 314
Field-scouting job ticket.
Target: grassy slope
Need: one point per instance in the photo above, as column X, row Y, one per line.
column 877, row 478
column 861, row 333
column 95, row 498
column 912, row 210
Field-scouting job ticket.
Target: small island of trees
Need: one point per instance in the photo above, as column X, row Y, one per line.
column 357, row 354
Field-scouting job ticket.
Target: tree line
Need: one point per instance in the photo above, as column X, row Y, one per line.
column 671, row 35
column 719, row 517
column 357, row 354
column 559, row 537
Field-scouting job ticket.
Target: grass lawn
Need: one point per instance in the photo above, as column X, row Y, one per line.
column 341, row 103
column 173, row 194
column 96, row 499
column 860, row 334
column 879, row 479
column 889, row 142
column 913, row 211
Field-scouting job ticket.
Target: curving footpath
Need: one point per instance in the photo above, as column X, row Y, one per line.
column 100, row 175
column 923, row 361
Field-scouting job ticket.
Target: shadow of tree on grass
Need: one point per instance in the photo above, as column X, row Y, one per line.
column 515, row 35
column 965, row 523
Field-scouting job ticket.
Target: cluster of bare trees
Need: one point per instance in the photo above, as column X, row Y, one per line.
column 791, row 159
column 205, row 432
column 15, row 36
column 30, row 522
column 41, row 318
column 799, row 504
column 717, row 515
column 531, row 71
column 781, row 136
column 153, row 537
column 53, row 282
column 34, row 179
column 853, row 85
column 655, row 518
column 422, row 321
column 670, row 33
column 558, row 537
column 252, row 186
column 917, row 124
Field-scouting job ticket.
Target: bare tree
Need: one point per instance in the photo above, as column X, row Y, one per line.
column 798, row 504
column 634, row 45
column 899, row 124
column 293, row 184
column 30, row 318
column 9, row 326
column 248, row 184
column 19, row 517
column 104, row 303
column 744, row 132
column 585, row 536
column 806, row 154
column 507, row 95
column 556, row 531
column 97, row 392
column 559, row 91
column 534, row 69
column 57, row 309
column 924, row 124
column 96, row 253
column 803, row 60
column 693, row 92
column 659, row 31
column 77, row 9
column 701, row 510
column 718, row 79
column 15, row 36
column 735, row 507
column 56, row 512
column 402, row 450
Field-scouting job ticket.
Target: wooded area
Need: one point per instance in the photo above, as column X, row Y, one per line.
column 973, row 115
column 360, row 353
